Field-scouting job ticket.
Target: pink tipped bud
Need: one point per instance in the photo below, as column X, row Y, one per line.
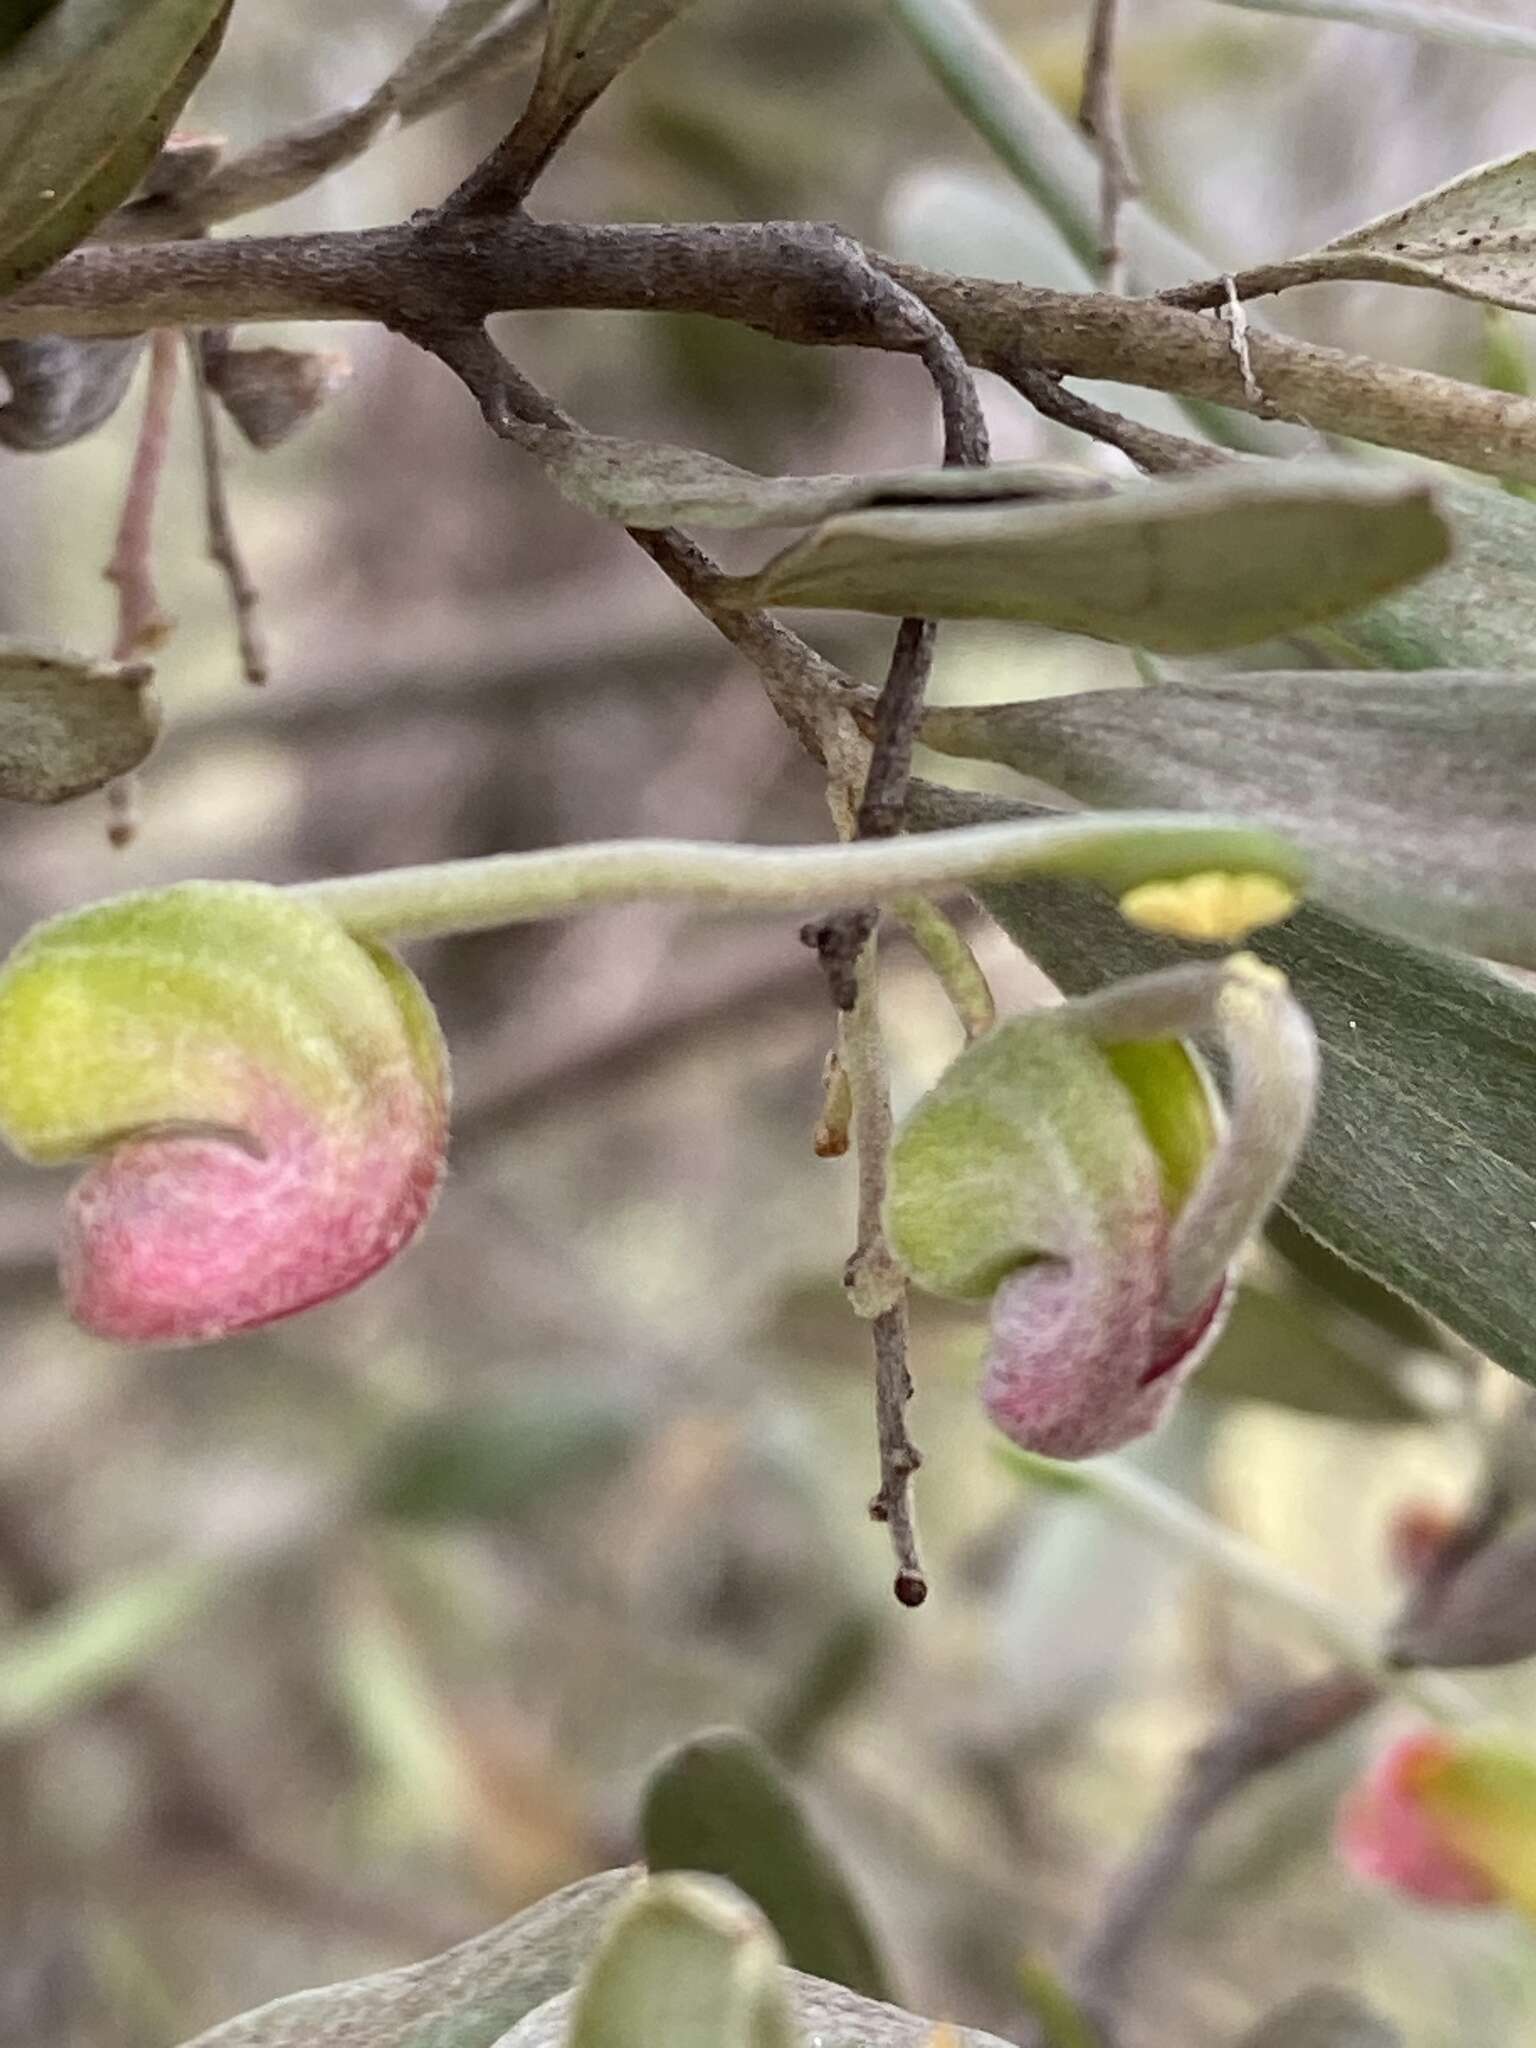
column 1076, row 1165
column 267, row 1098
column 1388, row 1832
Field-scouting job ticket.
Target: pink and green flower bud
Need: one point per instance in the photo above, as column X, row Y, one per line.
column 1077, row 1166
column 1445, row 1819
column 266, row 1098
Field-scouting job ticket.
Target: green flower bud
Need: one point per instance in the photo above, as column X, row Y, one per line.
column 1077, row 1166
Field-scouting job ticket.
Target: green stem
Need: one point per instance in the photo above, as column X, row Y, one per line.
column 945, row 947
column 1049, row 156
column 514, row 888
column 1141, row 1498
column 1433, row 24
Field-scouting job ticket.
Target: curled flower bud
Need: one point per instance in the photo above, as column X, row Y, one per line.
column 1397, row 1825
column 268, row 1097
column 1076, row 1164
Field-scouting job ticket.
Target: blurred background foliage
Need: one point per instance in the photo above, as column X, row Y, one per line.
column 325, row 1647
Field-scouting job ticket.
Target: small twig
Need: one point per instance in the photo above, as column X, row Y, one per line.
column 898, row 714
column 875, row 1282
column 1166, row 1514
column 899, row 1456
column 223, row 546
column 801, row 684
column 1260, row 1736
column 1101, row 117
column 142, row 623
column 840, row 939
column 1150, row 448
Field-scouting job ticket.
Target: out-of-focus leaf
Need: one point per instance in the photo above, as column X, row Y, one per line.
column 68, row 723
column 647, row 483
column 719, row 1803
column 17, row 17
column 419, row 1781
column 687, row 1962
column 55, row 390
column 1475, row 236
column 1433, row 23
column 1483, row 1615
column 1421, row 1166
column 1081, row 1588
column 841, row 1663
column 1476, row 612
column 86, row 99
column 80, row 1651
column 1323, row 2018
column 468, row 1997
column 481, row 1464
column 827, row 2017
column 1274, row 1350
column 1061, row 2021
column 1212, row 561
column 1413, row 797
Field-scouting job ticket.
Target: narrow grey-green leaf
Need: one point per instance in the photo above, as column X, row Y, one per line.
column 650, row 484
column 687, row 1962
column 470, row 45
column 467, row 1997
column 1475, row 236
column 1284, row 1352
column 1347, row 1289
column 86, row 98
column 1478, row 611
column 1412, row 796
column 589, row 42
column 1323, row 2018
column 719, row 1803
column 455, row 28
column 69, row 724
column 491, row 1463
column 1212, row 561
column 509, row 43
column 828, row 2016
column 1421, row 1166
column 1483, row 1615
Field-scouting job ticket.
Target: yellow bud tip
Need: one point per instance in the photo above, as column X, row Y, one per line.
column 1216, row 906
